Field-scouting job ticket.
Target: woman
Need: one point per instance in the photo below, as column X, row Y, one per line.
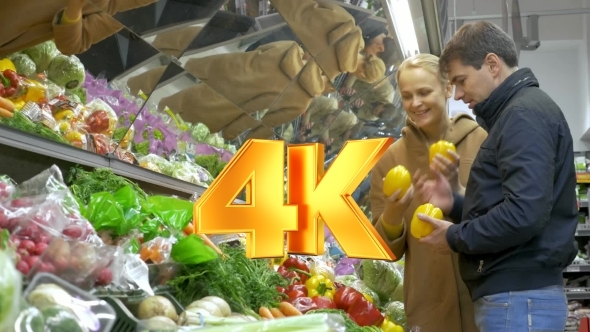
column 75, row 25
column 435, row 297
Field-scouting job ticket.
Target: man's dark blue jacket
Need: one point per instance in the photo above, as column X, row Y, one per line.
column 519, row 213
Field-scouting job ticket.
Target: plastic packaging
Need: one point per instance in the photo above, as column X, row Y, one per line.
column 156, row 250
column 101, row 118
column 46, row 293
column 80, row 263
column 10, row 291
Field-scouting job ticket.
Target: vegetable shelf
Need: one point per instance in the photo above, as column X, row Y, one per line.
column 31, row 147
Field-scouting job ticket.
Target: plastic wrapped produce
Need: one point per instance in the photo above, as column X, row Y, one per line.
column 10, row 290
column 382, row 277
column 66, row 71
column 24, row 64
column 396, row 313
column 42, row 54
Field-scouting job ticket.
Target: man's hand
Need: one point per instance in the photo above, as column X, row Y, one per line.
column 436, row 191
column 437, row 240
column 449, row 168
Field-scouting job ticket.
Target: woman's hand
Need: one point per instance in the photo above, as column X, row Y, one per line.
column 449, row 168
column 396, row 206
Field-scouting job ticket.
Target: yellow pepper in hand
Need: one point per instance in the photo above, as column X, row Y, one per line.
column 397, row 178
column 442, row 148
column 7, row 64
column 320, row 285
column 419, row 228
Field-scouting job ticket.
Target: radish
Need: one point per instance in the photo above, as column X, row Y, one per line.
column 47, row 267
column 105, row 277
column 27, row 244
column 44, row 238
column 73, row 231
column 23, row 267
column 31, row 260
column 22, row 202
column 40, row 248
column 23, row 252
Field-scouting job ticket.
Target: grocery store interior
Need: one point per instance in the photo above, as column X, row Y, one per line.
column 100, row 170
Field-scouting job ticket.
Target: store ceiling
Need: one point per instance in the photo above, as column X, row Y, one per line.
column 566, row 27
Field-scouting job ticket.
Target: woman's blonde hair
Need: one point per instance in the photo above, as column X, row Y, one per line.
column 425, row 61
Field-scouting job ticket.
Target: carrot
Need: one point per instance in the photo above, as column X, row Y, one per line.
column 265, row 313
column 5, row 113
column 210, row 243
column 289, row 310
column 189, row 229
column 6, row 104
column 276, row 313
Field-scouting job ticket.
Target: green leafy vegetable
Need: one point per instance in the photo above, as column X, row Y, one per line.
column 42, row 54
column 66, row 71
column 246, row 284
column 212, row 163
column 23, row 63
column 83, row 184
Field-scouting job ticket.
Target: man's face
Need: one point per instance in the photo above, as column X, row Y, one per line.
column 472, row 86
column 375, row 46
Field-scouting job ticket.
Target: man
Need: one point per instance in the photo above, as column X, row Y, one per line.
column 514, row 227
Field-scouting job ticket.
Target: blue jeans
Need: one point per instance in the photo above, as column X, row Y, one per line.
column 539, row 310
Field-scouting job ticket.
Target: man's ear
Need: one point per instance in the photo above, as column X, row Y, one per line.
column 492, row 64
column 449, row 90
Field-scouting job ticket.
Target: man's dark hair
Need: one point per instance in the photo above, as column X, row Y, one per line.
column 388, row 54
column 474, row 41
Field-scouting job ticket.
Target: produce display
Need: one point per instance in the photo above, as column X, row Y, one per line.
column 51, row 95
column 95, row 234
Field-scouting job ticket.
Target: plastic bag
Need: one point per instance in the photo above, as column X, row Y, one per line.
column 101, row 119
column 192, row 250
column 173, row 212
column 191, row 172
column 360, row 286
column 396, row 313
column 10, row 291
column 157, row 250
column 81, row 263
column 64, row 307
column 157, row 164
column 382, row 277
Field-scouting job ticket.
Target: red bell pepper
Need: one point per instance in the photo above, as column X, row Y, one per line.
column 364, row 313
column 295, row 294
column 303, row 304
column 345, row 297
column 294, row 268
column 297, row 287
column 324, row 302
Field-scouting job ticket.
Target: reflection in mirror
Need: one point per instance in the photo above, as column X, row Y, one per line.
column 356, row 42
column 70, row 99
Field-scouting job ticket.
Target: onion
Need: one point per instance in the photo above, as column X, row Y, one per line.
column 160, row 323
column 156, row 306
column 223, row 306
column 212, row 307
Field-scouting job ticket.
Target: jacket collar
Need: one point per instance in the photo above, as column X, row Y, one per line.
column 489, row 110
column 460, row 127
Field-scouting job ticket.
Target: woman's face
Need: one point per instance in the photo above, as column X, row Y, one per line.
column 423, row 96
column 375, row 46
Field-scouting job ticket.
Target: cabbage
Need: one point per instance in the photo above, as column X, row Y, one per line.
column 398, row 293
column 23, row 63
column 42, row 54
column 382, row 277
column 10, row 291
column 66, row 71
column 199, row 132
column 215, row 140
column 396, row 313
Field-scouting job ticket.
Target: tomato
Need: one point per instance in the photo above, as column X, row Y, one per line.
column 98, row 122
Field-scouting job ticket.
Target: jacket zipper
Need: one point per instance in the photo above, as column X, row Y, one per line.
column 480, row 266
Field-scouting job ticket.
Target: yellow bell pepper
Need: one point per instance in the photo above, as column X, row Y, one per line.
column 397, row 178
column 7, row 64
column 442, row 148
column 319, row 285
column 388, row 326
column 35, row 91
column 65, row 115
column 368, row 297
column 419, row 228
column 18, row 104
